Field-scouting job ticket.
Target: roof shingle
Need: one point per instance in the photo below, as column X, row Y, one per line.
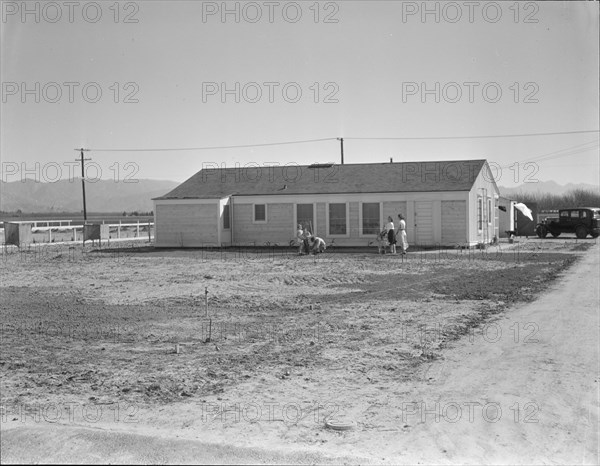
column 216, row 183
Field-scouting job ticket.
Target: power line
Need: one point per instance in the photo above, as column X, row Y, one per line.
column 573, row 150
column 243, row 146
column 571, row 165
column 477, row 137
column 559, row 153
column 214, row 147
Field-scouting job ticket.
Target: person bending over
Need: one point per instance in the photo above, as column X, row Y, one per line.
column 318, row 245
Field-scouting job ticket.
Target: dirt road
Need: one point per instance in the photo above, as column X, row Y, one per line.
column 549, row 370
column 522, row 389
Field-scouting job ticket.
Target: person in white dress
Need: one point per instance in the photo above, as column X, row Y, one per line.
column 401, row 234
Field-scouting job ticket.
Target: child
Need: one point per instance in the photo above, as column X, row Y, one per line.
column 300, row 239
column 382, row 242
column 306, row 235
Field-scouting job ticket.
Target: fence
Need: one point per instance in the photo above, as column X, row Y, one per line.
column 65, row 226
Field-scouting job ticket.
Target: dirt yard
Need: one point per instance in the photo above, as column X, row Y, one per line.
column 121, row 339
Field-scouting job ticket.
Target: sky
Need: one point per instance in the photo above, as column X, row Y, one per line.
column 139, row 83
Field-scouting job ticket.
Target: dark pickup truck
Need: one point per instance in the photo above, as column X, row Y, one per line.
column 582, row 221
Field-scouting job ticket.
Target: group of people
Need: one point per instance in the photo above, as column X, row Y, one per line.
column 307, row 243
column 394, row 236
column 310, row 244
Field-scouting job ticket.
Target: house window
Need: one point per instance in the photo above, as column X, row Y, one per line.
column 479, row 213
column 304, row 216
column 260, row 212
column 226, row 217
column 489, row 212
column 337, row 219
column 370, row 218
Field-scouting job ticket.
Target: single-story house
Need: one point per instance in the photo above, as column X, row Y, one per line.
column 445, row 203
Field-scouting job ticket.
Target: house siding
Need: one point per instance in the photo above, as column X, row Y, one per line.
column 485, row 188
column 321, row 226
column 454, row 222
column 441, row 217
column 392, row 209
column 186, row 225
column 424, row 223
column 353, row 220
column 277, row 229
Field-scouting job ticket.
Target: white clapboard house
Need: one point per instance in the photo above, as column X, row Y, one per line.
column 445, row 203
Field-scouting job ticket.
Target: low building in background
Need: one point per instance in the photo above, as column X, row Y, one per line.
column 448, row 203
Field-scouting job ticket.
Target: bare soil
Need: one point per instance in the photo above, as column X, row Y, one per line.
column 333, row 336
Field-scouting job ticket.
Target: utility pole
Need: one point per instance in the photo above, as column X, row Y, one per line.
column 82, row 150
column 342, row 148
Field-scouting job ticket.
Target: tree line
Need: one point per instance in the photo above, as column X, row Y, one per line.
column 549, row 201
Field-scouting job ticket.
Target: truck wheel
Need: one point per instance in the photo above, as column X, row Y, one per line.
column 581, row 232
column 595, row 235
column 555, row 234
column 542, row 231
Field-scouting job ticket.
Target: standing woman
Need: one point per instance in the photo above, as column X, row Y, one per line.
column 389, row 226
column 402, row 233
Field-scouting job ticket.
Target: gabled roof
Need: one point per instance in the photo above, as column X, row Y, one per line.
column 291, row 179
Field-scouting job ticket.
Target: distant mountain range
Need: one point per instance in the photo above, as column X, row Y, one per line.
column 543, row 187
column 65, row 195
column 107, row 196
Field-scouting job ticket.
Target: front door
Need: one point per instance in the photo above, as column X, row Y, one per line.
column 424, row 222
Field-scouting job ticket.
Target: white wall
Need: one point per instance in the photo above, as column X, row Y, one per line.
column 186, row 223
column 281, row 227
column 454, row 222
column 485, row 188
column 194, row 222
